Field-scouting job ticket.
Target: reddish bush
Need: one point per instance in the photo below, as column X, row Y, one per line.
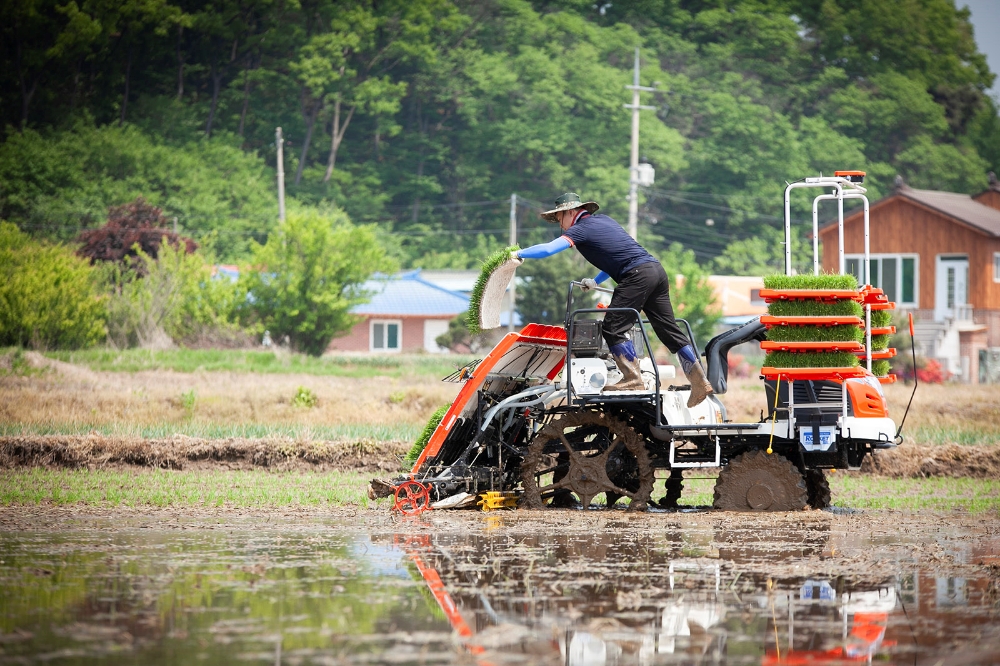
column 133, row 224
column 932, row 372
column 738, row 366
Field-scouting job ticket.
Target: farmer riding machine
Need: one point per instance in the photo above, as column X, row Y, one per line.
column 533, row 424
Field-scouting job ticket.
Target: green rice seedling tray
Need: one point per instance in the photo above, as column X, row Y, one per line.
column 817, row 374
column 805, row 333
column 827, row 281
column 827, row 359
column 828, row 346
column 816, row 309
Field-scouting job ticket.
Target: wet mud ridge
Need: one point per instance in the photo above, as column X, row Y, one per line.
column 179, row 452
column 373, row 456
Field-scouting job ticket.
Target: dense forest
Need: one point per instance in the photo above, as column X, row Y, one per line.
column 422, row 117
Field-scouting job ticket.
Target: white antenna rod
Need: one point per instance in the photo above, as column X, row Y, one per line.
column 633, row 190
column 279, row 142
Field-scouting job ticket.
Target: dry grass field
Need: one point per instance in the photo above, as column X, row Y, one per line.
column 52, row 396
column 65, row 398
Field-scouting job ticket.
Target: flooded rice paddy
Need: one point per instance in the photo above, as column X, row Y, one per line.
column 569, row 587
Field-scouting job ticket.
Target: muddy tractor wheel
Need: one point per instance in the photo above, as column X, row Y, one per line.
column 756, row 481
column 585, row 454
column 818, row 488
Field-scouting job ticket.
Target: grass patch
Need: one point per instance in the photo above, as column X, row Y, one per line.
column 965, row 436
column 842, row 308
column 163, row 488
column 781, row 359
column 14, row 364
column 782, row 281
column 386, row 432
column 940, row 494
column 264, row 362
column 815, row 334
column 491, row 263
column 425, row 436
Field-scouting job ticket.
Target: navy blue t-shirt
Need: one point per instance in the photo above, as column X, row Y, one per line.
column 604, row 243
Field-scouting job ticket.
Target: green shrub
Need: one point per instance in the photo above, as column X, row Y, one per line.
column 305, row 398
column 825, row 281
column 842, row 308
column 781, row 359
column 48, row 296
column 880, row 368
column 308, row 276
column 176, row 301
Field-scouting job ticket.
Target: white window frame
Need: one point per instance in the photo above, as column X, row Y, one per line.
column 898, row 256
column 385, row 322
column 996, row 266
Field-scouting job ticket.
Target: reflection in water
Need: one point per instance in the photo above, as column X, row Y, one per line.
column 488, row 593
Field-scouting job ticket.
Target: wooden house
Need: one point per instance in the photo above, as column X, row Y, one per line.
column 936, row 254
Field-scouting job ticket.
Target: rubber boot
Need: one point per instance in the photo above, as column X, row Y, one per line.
column 700, row 386
column 628, row 362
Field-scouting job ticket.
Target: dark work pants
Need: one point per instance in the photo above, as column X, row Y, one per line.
column 645, row 288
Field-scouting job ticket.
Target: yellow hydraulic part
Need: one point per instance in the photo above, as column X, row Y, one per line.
column 774, row 414
column 493, row 500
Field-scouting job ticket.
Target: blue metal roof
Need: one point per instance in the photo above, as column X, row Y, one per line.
column 407, row 294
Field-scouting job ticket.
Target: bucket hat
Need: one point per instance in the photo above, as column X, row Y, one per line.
column 569, row 201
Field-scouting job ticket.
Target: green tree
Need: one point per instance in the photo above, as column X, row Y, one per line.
column 310, row 272
column 61, row 182
column 48, row 296
column 691, row 295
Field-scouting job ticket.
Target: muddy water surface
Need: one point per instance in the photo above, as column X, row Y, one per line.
column 567, row 587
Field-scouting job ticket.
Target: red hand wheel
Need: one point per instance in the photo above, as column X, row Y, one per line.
column 412, row 498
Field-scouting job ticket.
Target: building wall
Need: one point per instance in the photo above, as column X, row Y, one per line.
column 989, row 198
column 357, row 340
column 900, row 225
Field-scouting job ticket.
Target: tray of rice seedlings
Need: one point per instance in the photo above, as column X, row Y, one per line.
column 824, row 282
column 881, row 319
column 841, row 308
column 784, row 359
column 880, row 368
column 487, row 295
column 813, row 296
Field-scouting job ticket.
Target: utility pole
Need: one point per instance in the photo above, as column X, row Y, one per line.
column 280, row 143
column 513, row 241
column 633, row 190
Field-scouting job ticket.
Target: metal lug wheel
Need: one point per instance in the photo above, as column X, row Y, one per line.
column 818, row 488
column 674, row 486
column 758, row 481
column 583, row 454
